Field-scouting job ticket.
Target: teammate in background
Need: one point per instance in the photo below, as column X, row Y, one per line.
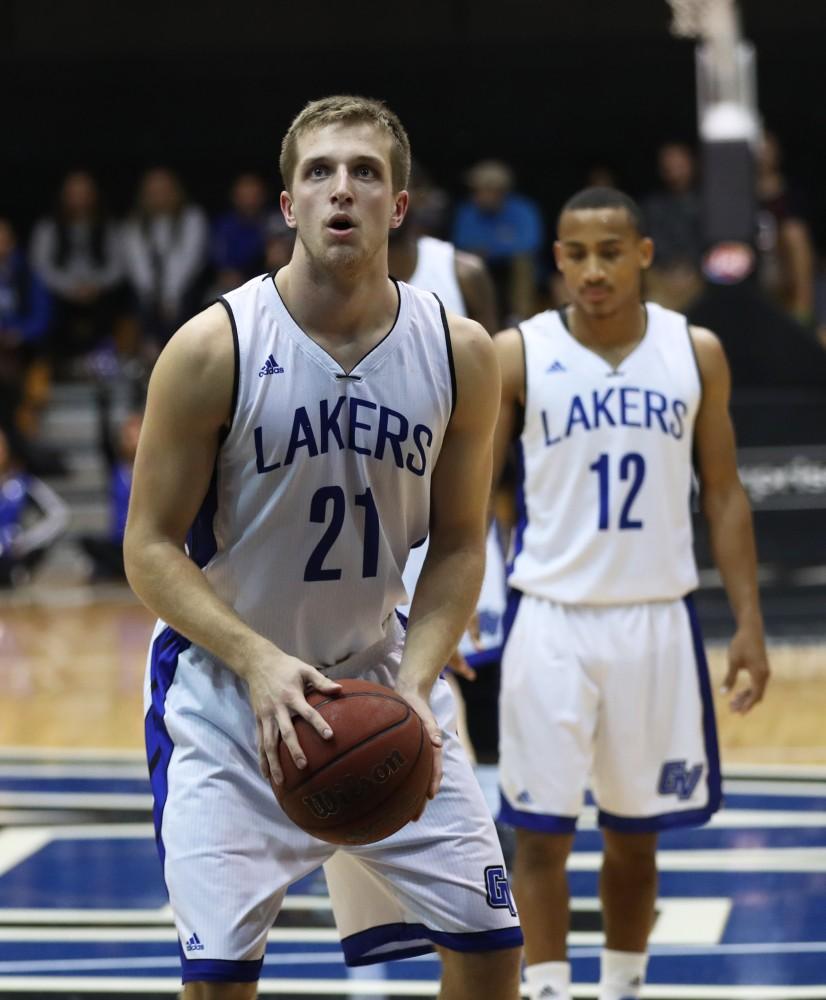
column 604, row 670
column 463, row 285
column 305, row 432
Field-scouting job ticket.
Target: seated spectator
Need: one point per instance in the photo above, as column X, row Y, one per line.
column 505, row 230
column 25, row 314
column 32, row 516
column 75, row 254
column 786, row 265
column 119, row 449
column 239, row 236
column 165, row 254
column 673, row 216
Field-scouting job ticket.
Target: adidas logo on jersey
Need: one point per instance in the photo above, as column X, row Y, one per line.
column 270, row 367
column 557, row 366
column 194, row 944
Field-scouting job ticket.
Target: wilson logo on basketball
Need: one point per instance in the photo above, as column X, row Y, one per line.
column 328, row 802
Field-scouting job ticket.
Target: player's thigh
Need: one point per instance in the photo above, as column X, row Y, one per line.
column 547, row 718
column 494, row 975
column 656, row 747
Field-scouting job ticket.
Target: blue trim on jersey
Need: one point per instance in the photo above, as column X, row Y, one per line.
column 509, row 617
column 166, row 649
column 714, row 779
column 484, row 657
column 539, row 822
column 521, row 505
column 219, row 970
column 357, row 947
column 201, row 541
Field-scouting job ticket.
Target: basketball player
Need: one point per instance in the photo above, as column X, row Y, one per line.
column 301, row 435
column 603, row 670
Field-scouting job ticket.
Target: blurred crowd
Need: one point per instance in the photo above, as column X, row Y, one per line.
column 90, row 297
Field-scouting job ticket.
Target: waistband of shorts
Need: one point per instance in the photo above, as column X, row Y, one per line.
column 353, row 665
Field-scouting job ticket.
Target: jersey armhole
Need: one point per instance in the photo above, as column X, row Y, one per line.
column 694, row 355
column 236, row 350
column 521, row 333
column 449, row 347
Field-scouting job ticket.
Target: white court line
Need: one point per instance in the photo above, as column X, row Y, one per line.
column 769, row 859
column 75, row 800
column 16, row 845
column 742, row 786
column 743, row 819
column 80, row 771
column 800, row 771
column 15, row 753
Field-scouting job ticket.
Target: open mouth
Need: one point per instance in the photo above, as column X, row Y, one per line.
column 341, row 224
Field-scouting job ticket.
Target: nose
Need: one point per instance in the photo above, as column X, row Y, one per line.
column 341, row 188
column 593, row 272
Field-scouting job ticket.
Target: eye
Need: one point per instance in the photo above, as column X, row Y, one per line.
column 318, row 170
column 364, row 170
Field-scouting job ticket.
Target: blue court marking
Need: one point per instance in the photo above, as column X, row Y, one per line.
column 91, row 786
column 800, row 803
column 720, row 838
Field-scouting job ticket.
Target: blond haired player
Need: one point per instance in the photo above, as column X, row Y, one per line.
column 301, row 435
column 604, row 677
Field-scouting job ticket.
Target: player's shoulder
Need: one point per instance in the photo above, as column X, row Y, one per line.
column 468, row 338
column 198, row 364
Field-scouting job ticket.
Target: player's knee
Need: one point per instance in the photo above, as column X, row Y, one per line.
column 490, row 973
column 539, row 851
column 638, row 849
column 220, row 991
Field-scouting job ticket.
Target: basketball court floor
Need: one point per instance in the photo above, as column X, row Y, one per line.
column 83, row 911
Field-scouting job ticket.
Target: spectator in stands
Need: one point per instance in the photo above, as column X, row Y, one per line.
column 32, row 516
column 25, row 314
column 786, row 253
column 279, row 240
column 75, row 254
column 165, row 251
column 673, row 217
column 505, row 230
column 118, row 447
column 239, row 236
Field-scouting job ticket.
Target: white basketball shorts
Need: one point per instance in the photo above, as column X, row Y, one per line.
column 229, row 853
column 617, row 698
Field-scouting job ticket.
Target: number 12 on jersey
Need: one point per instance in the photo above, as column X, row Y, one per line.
column 631, row 469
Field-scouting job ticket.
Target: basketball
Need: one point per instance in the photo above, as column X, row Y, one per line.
column 368, row 780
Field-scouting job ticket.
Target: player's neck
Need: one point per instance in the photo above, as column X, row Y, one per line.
column 339, row 304
column 623, row 328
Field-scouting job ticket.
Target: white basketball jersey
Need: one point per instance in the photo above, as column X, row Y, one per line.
column 323, row 482
column 607, row 466
column 436, row 271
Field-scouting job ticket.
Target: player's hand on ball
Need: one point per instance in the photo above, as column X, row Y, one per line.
column 421, row 705
column 278, row 686
column 747, row 652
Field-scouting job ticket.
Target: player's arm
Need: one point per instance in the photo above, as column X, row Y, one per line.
column 188, row 406
column 477, row 289
column 510, row 353
column 726, row 508
column 449, row 584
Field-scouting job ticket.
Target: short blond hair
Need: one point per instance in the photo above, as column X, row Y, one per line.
column 347, row 109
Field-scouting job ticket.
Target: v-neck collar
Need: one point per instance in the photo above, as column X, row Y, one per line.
column 367, row 362
column 611, row 369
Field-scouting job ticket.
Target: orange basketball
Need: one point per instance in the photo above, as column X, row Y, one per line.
column 368, row 780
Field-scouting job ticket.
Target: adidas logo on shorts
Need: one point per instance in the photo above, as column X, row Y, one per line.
column 194, row 944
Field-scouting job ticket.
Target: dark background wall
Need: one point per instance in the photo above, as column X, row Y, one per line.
column 209, row 87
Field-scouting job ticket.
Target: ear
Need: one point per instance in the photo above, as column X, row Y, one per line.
column 400, row 206
column 646, row 251
column 286, row 203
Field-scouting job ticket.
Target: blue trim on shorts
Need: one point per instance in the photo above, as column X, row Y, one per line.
column 166, row 649
column 690, row 817
column 714, row 779
column 539, row 822
column 218, row 970
column 356, row 947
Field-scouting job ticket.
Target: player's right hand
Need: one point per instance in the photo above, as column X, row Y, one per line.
column 278, row 692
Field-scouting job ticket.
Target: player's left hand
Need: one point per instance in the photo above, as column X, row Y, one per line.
column 458, row 665
column 419, row 702
column 747, row 652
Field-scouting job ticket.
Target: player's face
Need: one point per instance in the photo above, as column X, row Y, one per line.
column 601, row 256
column 341, row 200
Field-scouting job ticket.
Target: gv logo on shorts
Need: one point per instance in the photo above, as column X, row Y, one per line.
column 498, row 889
column 677, row 779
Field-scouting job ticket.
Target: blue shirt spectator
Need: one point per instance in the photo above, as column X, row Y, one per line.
column 239, row 236
column 25, row 303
